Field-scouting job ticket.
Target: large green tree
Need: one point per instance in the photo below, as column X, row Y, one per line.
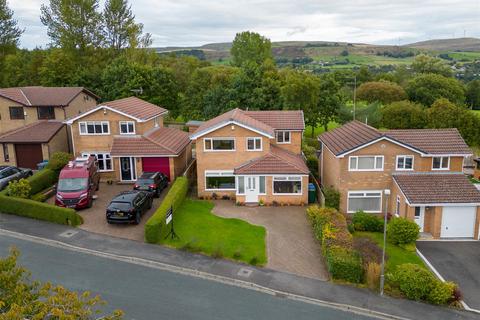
column 403, row 115
column 9, row 31
column 382, row 91
column 426, row 88
column 330, row 99
column 428, row 64
column 248, row 47
column 120, row 28
column 473, row 94
column 73, row 24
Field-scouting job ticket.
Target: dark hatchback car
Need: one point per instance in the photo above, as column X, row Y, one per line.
column 11, row 173
column 128, row 207
column 153, row 182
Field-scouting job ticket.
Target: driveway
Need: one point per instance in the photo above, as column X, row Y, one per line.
column 457, row 261
column 291, row 246
column 94, row 218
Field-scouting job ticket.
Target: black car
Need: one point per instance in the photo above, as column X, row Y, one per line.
column 153, row 182
column 11, row 173
column 128, row 207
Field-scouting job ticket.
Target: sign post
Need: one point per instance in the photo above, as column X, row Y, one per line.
column 169, row 220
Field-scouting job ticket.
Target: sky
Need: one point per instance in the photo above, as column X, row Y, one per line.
column 198, row 22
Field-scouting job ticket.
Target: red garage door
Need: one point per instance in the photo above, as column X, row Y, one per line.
column 28, row 155
column 156, row 164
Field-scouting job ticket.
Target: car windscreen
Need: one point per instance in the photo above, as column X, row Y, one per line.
column 72, row 184
column 144, row 182
column 118, row 205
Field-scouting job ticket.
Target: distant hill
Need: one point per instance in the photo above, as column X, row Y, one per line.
column 458, row 44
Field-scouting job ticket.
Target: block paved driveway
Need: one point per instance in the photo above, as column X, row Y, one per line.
column 457, row 261
column 291, row 246
column 94, row 219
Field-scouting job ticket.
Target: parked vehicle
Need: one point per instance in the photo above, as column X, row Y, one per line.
column 129, row 206
column 11, row 173
column 77, row 183
column 153, row 182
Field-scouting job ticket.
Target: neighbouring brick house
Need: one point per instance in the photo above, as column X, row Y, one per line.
column 252, row 156
column 31, row 121
column 422, row 169
column 128, row 137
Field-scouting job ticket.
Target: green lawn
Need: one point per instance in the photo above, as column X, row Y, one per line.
column 318, row 130
column 395, row 254
column 201, row 231
column 464, row 56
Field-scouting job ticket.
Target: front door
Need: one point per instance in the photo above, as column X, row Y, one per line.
column 251, row 189
column 420, row 217
column 127, row 169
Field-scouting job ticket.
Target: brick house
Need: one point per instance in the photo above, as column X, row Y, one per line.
column 128, row 137
column 252, row 156
column 422, row 169
column 31, row 121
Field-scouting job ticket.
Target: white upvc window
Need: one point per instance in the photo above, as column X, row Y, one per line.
column 254, row 144
column 287, row 185
column 216, row 180
column 283, row 137
column 104, row 159
column 365, row 163
column 440, row 163
column 219, row 144
column 127, row 127
column 404, row 163
column 367, row 201
column 94, row 127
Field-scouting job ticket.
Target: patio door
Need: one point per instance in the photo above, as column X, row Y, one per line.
column 127, row 169
column 420, row 217
column 251, row 189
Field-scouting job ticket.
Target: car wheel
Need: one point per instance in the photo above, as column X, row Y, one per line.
column 137, row 218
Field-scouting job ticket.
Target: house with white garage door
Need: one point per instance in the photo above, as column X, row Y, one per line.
column 128, row 137
column 413, row 173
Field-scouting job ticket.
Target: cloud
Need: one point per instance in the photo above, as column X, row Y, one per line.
column 189, row 23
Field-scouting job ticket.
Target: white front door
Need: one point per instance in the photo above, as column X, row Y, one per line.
column 420, row 217
column 251, row 189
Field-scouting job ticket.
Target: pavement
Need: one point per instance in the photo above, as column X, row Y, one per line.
column 291, row 246
column 281, row 284
column 94, row 218
column 457, row 261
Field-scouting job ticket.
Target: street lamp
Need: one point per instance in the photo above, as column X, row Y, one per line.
column 386, row 192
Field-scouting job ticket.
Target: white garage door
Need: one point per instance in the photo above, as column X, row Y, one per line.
column 458, row 222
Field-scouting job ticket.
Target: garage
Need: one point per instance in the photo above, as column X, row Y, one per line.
column 153, row 164
column 28, row 155
column 458, row 222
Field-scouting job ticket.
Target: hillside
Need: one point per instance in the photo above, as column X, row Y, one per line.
column 458, row 44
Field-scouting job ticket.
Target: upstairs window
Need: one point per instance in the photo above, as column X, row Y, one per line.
column 94, row 128
column 404, row 163
column 16, row 113
column 254, row 144
column 127, row 127
column 219, row 144
column 46, row 113
column 366, row 163
column 283, row 136
column 440, row 163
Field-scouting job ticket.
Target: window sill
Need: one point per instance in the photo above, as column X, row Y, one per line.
column 213, row 190
column 287, row 194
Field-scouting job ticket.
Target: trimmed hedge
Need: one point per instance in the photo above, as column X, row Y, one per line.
column 42, row 180
column 332, row 197
column 38, row 210
column 344, row 263
column 154, row 228
column 363, row 221
column 402, row 231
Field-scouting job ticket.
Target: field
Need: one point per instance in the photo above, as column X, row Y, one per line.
column 464, row 56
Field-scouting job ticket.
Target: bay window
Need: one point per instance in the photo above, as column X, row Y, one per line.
column 367, row 201
column 287, row 185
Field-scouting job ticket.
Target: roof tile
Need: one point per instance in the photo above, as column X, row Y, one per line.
column 38, row 132
column 135, row 107
column 43, row 96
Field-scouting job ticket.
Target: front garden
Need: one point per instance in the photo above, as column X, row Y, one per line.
column 199, row 230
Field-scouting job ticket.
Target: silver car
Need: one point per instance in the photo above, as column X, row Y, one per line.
column 11, row 173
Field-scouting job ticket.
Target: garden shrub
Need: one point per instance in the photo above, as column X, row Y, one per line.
column 312, row 164
column 40, row 197
column 58, row 160
column 413, row 281
column 19, row 188
column 344, row 264
column 401, row 231
column 363, row 221
column 442, row 293
column 332, row 197
column 154, row 228
column 42, row 180
column 38, row 210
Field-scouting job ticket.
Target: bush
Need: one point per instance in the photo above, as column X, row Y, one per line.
column 154, row 228
column 332, row 198
column 58, row 160
column 40, row 197
column 344, row 264
column 38, row 210
column 363, row 221
column 19, row 188
column 442, row 293
column 401, row 231
column 413, row 281
column 42, row 180
column 369, row 250
column 312, row 164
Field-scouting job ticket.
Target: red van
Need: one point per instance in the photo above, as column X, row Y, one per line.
column 77, row 182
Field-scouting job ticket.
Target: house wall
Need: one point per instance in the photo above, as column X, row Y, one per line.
column 295, row 144
column 179, row 164
column 79, row 104
column 11, row 151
